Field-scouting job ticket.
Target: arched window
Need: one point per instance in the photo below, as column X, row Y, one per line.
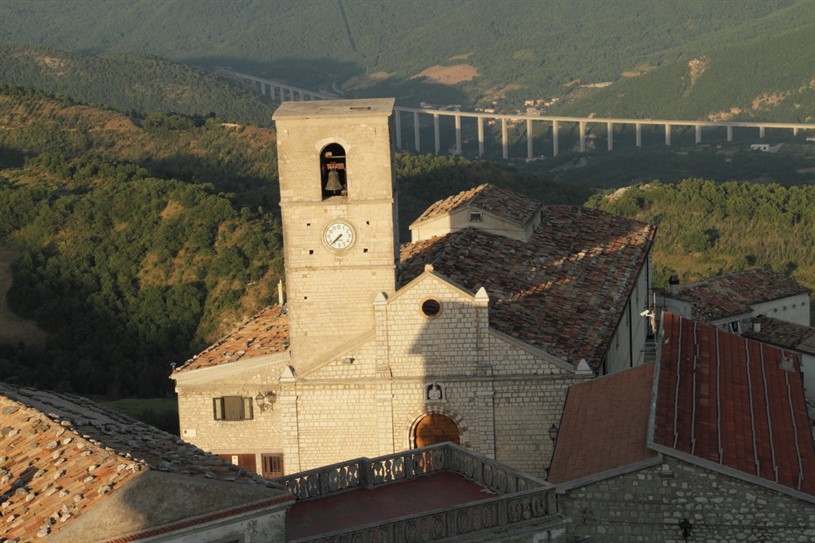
column 332, row 171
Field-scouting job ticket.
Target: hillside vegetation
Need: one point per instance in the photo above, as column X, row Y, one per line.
column 707, row 228
column 132, row 83
column 459, row 51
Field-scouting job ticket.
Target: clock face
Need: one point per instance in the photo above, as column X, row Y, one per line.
column 339, row 236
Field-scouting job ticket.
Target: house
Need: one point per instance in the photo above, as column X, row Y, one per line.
column 471, row 336
column 72, row 471
column 789, row 336
column 711, row 443
column 730, row 301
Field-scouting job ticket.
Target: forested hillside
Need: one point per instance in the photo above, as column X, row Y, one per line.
column 707, row 228
column 139, row 244
column 132, row 83
column 461, row 51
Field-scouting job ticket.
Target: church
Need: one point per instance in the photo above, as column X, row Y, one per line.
column 470, row 333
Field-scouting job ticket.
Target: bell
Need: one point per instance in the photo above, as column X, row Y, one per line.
column 333, row 183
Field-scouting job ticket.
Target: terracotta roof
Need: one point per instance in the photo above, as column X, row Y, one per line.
column 61, row 455
column 729, row 401
column 504, row 204
column 784, row 334
column 734, row 294
column 563, row 291
column 264, row 334
column 604, row 425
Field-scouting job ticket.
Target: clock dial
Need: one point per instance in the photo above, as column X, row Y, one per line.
column 339, row 236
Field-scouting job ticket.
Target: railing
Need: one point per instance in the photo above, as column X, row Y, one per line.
column 496, row 513
column 521, row 497
column 370, row 473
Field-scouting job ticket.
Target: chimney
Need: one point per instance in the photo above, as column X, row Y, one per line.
column 756, row 326
column 280, row 292
column 673, row 281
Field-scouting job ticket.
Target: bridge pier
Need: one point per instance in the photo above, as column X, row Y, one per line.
column 610, row 136
column 480, row 136
column 698, row 130
column 729, row 133
column 457, row 120
column 761, row 132
column 582, row 136
column 795, row 131
column 397, row 122
column 667, row 134
column 555, row 134
column 504, row 142
column 529, row 150
column 416, row 141
column 436, row 132
column 638, row 131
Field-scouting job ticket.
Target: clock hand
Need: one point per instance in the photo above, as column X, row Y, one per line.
column 336, row 239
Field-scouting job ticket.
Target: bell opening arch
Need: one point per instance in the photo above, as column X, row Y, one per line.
column 333, row 177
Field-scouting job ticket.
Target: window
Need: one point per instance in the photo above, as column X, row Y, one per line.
column 734, row 327
column 475, row 216
column 332, row 171
column 232, row 408
column 431, row 308
column 272, row 465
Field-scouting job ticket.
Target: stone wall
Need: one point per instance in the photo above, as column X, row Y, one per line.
column 648, row 505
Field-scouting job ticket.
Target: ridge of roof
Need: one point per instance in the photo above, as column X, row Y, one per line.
column 63, row 454
column 733, row 403
column 783, row 334
column 502, row 203
column 265, row 333
column 579, row 260
column 734, row 293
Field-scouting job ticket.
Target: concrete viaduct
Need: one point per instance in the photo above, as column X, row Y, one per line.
column 282, row 92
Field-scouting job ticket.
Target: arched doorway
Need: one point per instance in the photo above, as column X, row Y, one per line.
column 435, row 428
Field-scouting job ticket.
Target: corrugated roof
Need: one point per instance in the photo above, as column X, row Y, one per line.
column 507, row 205
column 784, row 334
column 61, row 455
column 734, row 294
column 264, row 334
column 604, row 425
column 563, row 291
column 730, row 401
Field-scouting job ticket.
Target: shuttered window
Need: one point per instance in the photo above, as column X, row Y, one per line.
column 272, row 465
column 232, row 408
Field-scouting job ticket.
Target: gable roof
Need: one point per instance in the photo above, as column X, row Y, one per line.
column 784, row 334
column 563, row 291
column 63, row 455
column 264, row 334
column 507, row 205
column 604, row 425
column 735, row 293
column 727, row 402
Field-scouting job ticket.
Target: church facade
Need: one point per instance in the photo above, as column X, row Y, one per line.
column 472, row 334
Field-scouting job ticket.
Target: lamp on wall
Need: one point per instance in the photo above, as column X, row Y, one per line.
column 265, row 400
column 685, row 526
column 553, row 431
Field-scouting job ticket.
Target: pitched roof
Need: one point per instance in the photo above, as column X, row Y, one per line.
column 732, row 402
column 735, row 293
column 562, row 291
column 61, row 455
column 784, row 334
column 507, row 205
column 264, row 334
column 604, row 425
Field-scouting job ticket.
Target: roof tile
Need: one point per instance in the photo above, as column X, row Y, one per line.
column 507, row 205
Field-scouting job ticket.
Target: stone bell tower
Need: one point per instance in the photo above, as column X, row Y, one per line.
column 338, row 204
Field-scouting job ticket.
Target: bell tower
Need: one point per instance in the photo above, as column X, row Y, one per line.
column 338, row 205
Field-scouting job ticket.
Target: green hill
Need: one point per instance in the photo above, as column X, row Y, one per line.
column 457, row 51
column 133, row 83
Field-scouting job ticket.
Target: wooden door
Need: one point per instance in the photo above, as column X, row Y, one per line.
column 436, row 428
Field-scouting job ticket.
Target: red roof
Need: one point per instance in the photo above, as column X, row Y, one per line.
column 733, row 402
column 604, row 425
column 562, row 291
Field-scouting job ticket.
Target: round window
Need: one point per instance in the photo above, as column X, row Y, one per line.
column 431, row 308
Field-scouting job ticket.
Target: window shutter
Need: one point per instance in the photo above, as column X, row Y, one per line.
column 247, row 409
column 233, row 408
column 218, row 408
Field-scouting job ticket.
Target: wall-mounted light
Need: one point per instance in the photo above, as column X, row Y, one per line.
column 553, row 431
column 686, row 527
column 348, row 360
column 265, row 400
